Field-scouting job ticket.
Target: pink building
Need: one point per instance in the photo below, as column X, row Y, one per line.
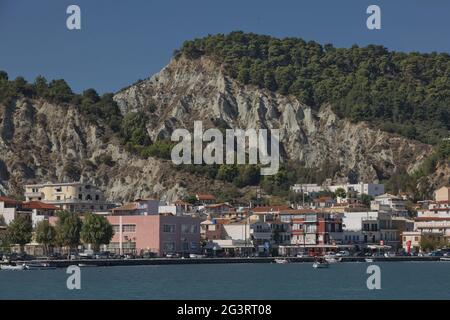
column 161, row 234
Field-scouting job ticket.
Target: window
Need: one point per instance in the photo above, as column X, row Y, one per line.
column 129, row 228
column 169, row 246
column 194, row 228
column 415, row 238
column 88, row 197
column 125, row 228
column 185, row 246
column 58, row 198
column 169, row 228
column 185, row 228
column 97, row 197
column 80, row 196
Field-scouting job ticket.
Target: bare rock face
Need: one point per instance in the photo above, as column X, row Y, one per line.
column 47, row 142
column 189, row 90
column 42, row 141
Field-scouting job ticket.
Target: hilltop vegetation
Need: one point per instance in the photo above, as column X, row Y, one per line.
column 405, row 93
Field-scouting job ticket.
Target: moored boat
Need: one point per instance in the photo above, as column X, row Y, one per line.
column 12, row 267
column 321, row 263
column 281, row 261
column 39, row 266
column 369, row 259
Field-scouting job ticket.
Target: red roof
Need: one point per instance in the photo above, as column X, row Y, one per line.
column 182, row 203
column 39, row 205
column 205, row 197
column 299, row 211
column 431, row 219
column 9, row 200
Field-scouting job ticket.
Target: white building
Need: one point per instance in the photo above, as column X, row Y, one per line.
column 368, row 228
column 307, row 188
column 389, row 202
column 371, row 189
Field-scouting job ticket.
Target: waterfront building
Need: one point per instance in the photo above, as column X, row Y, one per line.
column 9, row 208
column 411, row 241
column 311, row 230
column 40, row 211
column 369, row 227
column 212, row 229
column 434, row 221
column 73, row 196
column 160, row 234
column 36, row 211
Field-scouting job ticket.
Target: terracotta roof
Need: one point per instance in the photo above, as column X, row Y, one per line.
column 205, row 197
column 9, row 200
column 183, row 203
column 323, row 199
column 126, row 207
column 39, row 205
column 299, row 211
column 431, row 219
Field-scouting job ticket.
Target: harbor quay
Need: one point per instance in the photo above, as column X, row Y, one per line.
column 180, row 261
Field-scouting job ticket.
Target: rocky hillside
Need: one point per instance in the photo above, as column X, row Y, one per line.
column 41, row 141
column 46, row 141
column 188, row 90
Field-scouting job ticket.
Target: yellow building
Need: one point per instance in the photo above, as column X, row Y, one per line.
column 72, row 196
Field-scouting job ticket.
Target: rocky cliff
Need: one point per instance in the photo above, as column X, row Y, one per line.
column 42, row 141
column 188, row 90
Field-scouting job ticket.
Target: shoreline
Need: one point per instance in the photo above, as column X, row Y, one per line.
column 175, row 261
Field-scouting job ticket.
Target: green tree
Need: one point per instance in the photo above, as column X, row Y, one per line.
column 68, row 228
column 45, row 234
column 60, row 91
column 20, row 231
column 96, row 230
column 365, row 199
column 340, row 192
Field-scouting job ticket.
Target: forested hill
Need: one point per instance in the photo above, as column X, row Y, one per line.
column 405, row 93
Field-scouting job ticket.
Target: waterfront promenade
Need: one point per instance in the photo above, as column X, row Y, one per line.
column 174, row 261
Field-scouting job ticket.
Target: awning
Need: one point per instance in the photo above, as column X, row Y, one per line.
column 377, row 246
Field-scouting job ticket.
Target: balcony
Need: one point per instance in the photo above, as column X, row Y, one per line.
column 32, row 195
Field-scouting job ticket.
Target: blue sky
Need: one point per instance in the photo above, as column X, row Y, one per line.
column 122, row 41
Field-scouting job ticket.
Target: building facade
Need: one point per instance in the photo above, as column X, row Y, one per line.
column 72, row 196
column 160, row 234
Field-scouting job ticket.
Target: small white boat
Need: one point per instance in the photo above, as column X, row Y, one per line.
column 445, row 259
column 321, row 263
column 86, row 265
column 281, row 261
column 39, row 266
column 332, row 259
column 12, row 268
column 369, row 259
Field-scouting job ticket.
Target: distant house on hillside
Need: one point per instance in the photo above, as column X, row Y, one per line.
column 205, row 198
